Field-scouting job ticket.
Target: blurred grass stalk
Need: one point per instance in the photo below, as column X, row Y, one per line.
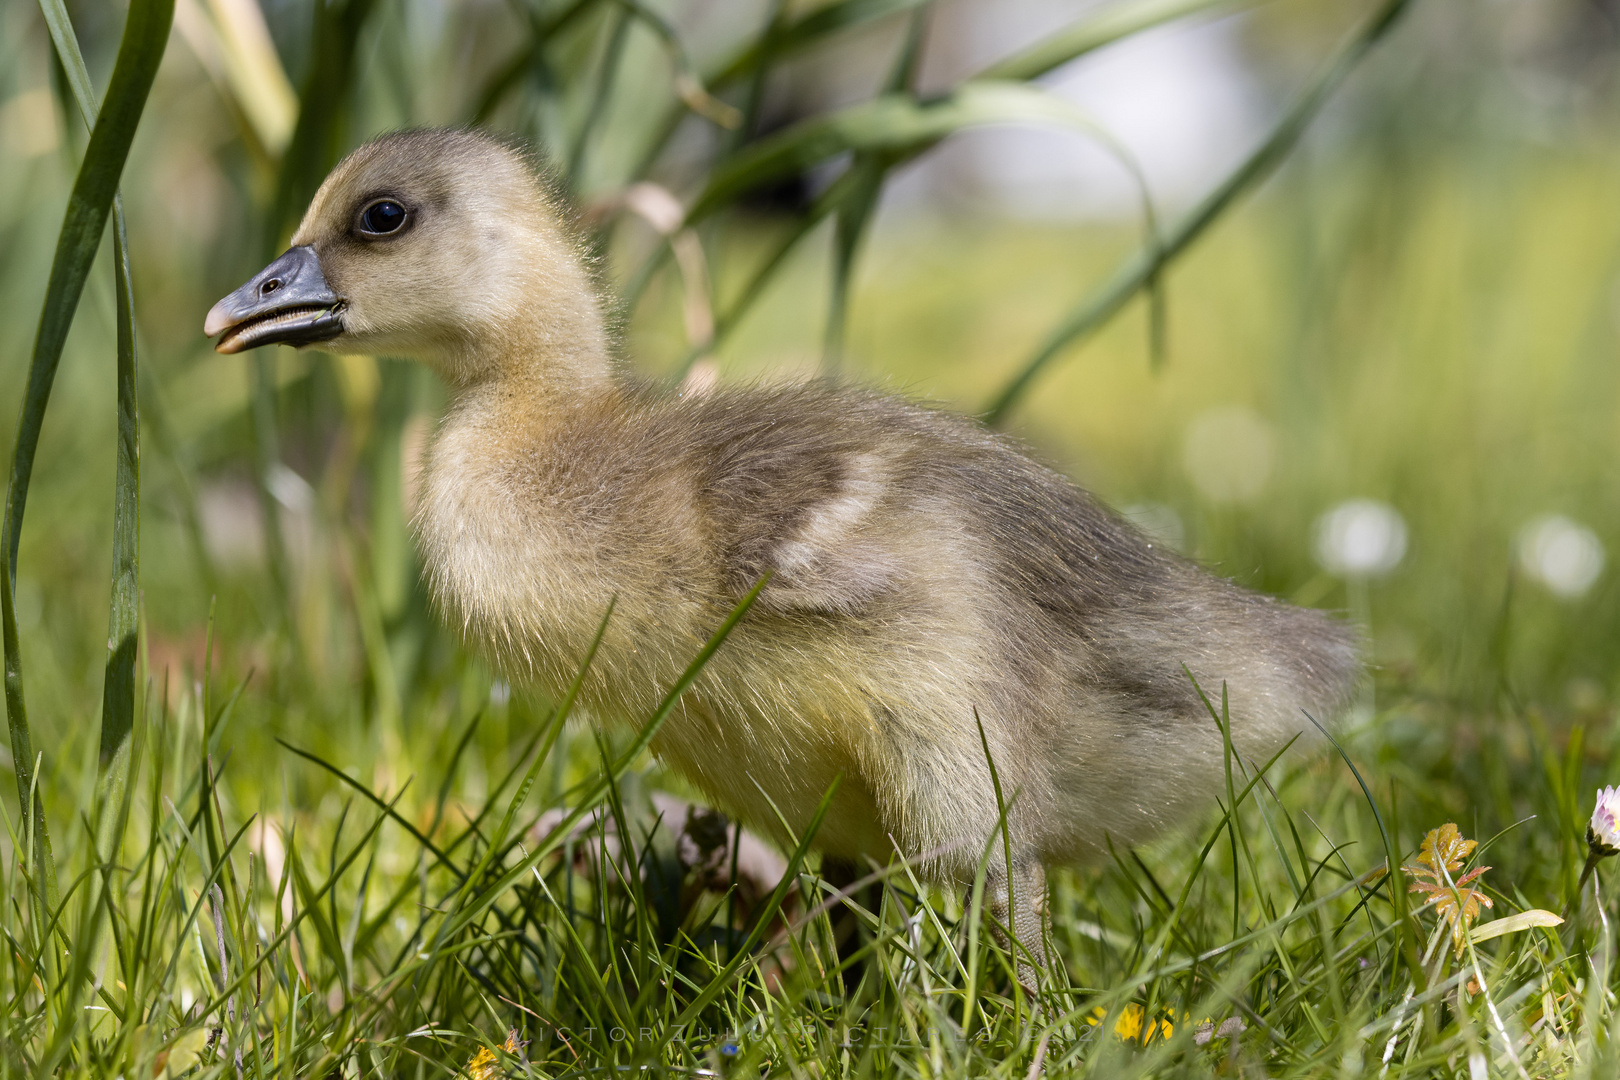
column 1145, row 268
column 891, row 129
column 118, row 703
column 232, row 42
column 94, row 196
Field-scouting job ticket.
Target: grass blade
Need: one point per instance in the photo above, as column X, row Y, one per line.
column 804, row 32
column 1093, row 32
column 146, row 31
column 895, row 123
column 67, row 50
column 118, row 690
column 123, row 621
column 145, row 34
column 22, row 750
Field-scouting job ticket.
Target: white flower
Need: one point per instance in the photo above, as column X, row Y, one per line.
column 1360, row 538
column 1563, row 555
column 1603, row 834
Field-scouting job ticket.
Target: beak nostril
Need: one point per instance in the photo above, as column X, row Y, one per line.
column 288, row 301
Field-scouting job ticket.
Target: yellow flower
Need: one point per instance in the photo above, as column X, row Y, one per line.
column 1128, row 1025
column 485, row 1065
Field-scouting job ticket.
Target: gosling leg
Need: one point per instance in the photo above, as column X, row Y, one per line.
column 1024, row 913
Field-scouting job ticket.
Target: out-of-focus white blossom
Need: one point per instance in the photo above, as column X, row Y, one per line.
column 1603, row 832
column 1563, row 555
column 1360, row 538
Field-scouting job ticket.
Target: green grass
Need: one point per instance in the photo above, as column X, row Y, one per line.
column 345, row 848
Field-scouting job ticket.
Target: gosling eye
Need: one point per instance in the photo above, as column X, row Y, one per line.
column 382, row 217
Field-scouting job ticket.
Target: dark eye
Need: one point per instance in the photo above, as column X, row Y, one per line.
column 382, row 217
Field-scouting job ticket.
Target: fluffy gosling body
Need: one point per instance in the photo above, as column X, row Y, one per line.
column 925, row 575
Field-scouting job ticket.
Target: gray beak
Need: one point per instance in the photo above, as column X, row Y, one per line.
column 288, row 302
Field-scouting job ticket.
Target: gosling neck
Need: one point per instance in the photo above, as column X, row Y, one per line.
column 551, row 359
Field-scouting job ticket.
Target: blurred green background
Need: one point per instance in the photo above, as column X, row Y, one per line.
column 1421, row 308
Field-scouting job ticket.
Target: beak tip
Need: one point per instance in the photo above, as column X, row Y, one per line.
column 217, row 321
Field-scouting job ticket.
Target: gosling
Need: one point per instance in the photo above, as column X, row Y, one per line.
column 925, row 577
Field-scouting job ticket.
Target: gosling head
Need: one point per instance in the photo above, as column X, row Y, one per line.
column 443, row 246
